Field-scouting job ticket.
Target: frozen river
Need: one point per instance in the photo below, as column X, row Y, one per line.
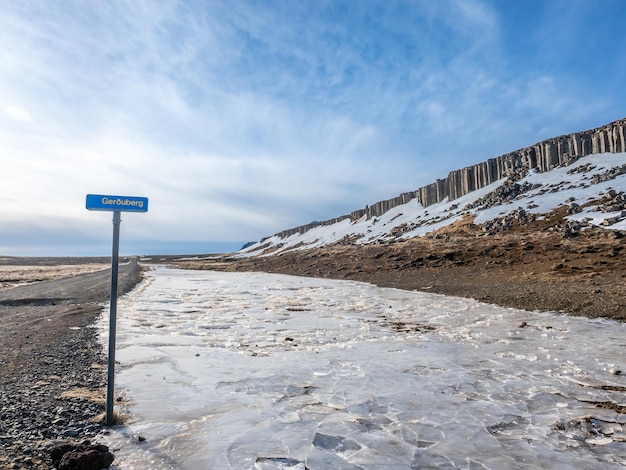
column 261, row 371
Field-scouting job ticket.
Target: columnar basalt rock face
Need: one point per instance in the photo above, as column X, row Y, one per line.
column 544, row 156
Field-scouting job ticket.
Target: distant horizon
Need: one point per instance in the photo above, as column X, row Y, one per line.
column 129, row 248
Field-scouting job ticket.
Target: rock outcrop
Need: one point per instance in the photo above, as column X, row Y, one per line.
column 85, row 456
column 543, row 156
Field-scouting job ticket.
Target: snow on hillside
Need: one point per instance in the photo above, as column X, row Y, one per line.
column 587, row 179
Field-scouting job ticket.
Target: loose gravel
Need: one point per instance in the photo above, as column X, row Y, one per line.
column 52, row 366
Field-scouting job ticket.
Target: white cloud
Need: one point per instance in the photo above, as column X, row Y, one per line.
column 17, row 113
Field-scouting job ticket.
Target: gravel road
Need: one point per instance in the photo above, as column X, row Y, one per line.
column 52, row 369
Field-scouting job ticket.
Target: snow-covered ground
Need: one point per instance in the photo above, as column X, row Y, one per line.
column 262, row 371
column 562, row 186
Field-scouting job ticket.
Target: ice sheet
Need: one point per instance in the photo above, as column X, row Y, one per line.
column 252, row 370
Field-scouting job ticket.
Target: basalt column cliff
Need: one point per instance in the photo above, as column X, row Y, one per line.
column 543, row 156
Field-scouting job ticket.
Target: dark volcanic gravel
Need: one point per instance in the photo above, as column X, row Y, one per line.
column 52, row 368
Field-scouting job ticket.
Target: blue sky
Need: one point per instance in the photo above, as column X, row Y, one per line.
column 239, row 119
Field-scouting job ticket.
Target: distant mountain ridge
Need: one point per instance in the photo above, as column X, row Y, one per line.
column 545, row 156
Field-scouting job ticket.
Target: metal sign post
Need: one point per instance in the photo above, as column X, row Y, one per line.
column 117, row 204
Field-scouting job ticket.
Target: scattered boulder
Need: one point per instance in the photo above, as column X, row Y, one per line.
column 610, row 174
column 504, row 223
column 83, row 456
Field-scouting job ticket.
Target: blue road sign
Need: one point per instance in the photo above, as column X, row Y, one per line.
column 116, row 204
column 99, row 202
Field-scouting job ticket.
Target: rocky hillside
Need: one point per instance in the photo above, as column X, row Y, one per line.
column 584, row 172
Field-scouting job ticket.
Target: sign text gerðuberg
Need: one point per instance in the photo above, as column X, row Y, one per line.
column 99, row 202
